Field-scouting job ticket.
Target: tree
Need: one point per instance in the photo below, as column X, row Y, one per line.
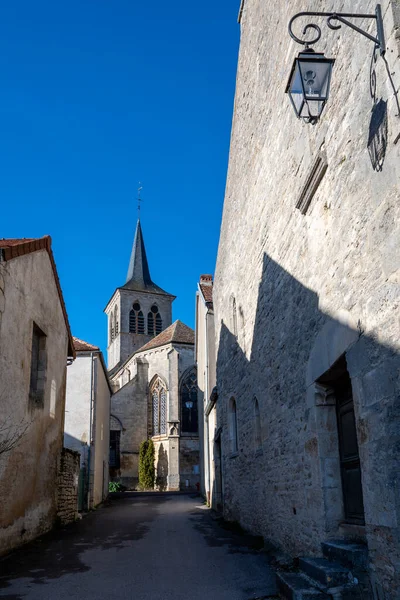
column 146, row 465
column 11, row 434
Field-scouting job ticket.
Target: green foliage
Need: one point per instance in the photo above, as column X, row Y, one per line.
column 146, row 465
column 115, row 486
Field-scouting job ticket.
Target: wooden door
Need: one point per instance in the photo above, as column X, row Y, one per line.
column 348, row 448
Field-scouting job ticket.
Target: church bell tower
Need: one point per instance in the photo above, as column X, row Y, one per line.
column 137, row 311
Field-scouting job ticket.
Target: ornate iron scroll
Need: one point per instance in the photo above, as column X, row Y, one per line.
column 334, row 21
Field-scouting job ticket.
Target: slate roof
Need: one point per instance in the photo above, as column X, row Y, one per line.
column 177, row 333
column 82, row 346
column 138, row 277
column 14, row 247
column 206, row 288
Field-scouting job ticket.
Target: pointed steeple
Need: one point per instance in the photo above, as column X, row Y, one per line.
column 138, row 276
column 138, row 270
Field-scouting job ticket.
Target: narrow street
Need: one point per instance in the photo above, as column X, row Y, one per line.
column 141, row 547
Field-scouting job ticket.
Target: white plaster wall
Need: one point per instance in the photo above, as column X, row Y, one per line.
column 28, row 474
column 77, row 409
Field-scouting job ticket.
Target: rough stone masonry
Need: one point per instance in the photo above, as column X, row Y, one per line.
column 305, row 297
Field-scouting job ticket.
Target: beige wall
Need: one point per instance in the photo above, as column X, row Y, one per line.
column 28, row 474
column 77, row 420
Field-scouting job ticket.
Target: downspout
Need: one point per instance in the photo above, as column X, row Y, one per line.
column 208, row 493
column 90, row 427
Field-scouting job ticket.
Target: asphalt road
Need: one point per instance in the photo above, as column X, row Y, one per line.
column 141, row 547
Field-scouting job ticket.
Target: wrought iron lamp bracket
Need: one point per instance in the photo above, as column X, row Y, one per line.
column 331, row 17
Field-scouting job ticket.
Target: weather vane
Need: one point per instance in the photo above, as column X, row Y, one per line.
column 139, row 199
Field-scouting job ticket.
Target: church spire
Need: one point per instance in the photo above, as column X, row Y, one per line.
column 138, row 271
column 138, row 276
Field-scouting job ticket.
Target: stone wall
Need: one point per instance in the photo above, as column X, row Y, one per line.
column 294, row 292
column 189, row 463
column 29, row 471
column 68, row 480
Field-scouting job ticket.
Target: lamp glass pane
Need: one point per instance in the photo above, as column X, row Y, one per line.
column 316, row 76
column 296, row 90
column 312, row 108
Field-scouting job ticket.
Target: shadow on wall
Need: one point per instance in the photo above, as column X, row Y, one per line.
column 378, row 125
column 73, row 443
column 162, row 469
column 290, row 489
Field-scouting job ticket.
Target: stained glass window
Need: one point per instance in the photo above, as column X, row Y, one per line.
column 159, row 406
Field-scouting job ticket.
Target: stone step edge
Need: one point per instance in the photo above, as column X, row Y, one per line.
column 318, row 591
column 303, row 564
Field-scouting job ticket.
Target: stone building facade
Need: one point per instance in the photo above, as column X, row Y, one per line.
column 87, row 421
column 306, row 295
column 206, row 363
column 152, row 371
column 35, row 343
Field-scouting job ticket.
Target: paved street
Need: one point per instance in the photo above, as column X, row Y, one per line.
column 141, row 547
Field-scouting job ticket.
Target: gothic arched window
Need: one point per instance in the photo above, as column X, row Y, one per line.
column 154, row 321
column 232, row 425
column 116, row 326
column 111, row 326
column 159, row 407
column 134, row 318
column 189, row 411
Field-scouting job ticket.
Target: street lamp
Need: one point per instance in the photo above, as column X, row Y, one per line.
column 308, row 85
column 310, row 77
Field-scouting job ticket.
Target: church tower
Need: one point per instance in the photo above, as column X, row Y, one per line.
column 138, row 311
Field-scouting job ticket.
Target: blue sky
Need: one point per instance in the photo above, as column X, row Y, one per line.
column 96, row 96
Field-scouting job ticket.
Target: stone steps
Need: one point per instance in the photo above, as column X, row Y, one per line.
column 296, row 586
column 328, row 577
column 326, row 573
column 348, row 554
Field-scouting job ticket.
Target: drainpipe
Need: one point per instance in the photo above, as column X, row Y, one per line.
column 208, row 493
column 90, row 427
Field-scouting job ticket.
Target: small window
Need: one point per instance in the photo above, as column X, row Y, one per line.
column 114, row 449
column 233, row 433
column 233, row 316
column 116, row 325
column 189, row 408
column 136, row 319
column 150, row 323
column 111, row 327
column 38, row 367
column 140, row 321
column 158, row 323
column 257, row 426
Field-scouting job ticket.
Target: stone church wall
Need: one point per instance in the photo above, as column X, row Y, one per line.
column 132, row 406
column 125, row 344
column 293, row 292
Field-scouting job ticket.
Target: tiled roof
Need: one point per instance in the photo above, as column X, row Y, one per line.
column 82, row 346
column 206, row 288
column 15, row 247
column 177, row 333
